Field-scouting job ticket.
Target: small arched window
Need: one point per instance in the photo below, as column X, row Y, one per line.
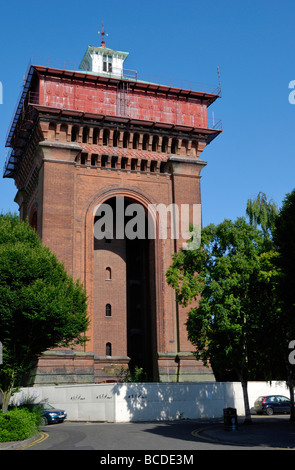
column 52, row 130
column 165, row 144
column 126, row 138
column 155, row 143
column 85, row 135
column 106, row 136
column 108, row 310
column 108, row 349
column 74, row 134
column 194, row 150
column 108, row 274
column 174, row 146
column 115, row 138
column 135, row 143
column 63, row 132
column 95, row 136
column 145, row 142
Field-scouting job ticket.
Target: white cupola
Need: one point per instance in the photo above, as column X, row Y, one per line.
column 103, row 61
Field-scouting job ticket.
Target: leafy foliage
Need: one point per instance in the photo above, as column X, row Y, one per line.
column 17, row 425
column 231, row 276
column 230, row 282
column 41, row 307
column 284, row 239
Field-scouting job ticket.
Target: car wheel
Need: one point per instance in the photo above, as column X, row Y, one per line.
column 269, row 411
column 44, row 421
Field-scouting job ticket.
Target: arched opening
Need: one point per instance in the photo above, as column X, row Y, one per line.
column 34, row 220
column 155, row 143
column 115, row 138
column 184, row 147
column 145, row 142
column 63, row 132
column 174, row 145
column 74, row 134
column 85, row 135
column 132, row 294
column 52, row 131
column 126, row 138
column 108, row 349
column 95, row 136
column 165, row 144
column 194, row 150
column 135, row 143
column 106, row 136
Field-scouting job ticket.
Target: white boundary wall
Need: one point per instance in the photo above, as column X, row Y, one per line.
column 127, row 402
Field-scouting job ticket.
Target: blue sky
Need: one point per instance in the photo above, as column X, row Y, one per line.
column 252, row 43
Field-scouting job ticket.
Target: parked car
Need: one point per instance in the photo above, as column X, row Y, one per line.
column 51, row 414
column 271, row 404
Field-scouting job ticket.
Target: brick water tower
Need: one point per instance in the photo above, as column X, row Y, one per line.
column 83, row 138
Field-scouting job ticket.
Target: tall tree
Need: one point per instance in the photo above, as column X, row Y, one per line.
column 41, row 307
column 262, row 212
column 284, row 238
column 231, row 275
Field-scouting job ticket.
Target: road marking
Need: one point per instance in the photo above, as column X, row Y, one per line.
column 42, row 438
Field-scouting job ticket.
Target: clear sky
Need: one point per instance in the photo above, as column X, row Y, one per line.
column 252, row 43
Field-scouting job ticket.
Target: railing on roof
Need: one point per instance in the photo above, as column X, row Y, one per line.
column 26, row 98
column 131, row 75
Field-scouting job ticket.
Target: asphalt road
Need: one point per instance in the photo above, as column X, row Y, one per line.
column 184, row 436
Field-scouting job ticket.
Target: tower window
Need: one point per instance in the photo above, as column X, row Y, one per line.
column 107, row 63
column 135, row 143
column 155, row 143
column 143, row 165
column 153, row 167
column 83, row 158
column 126, row 137
column 108, row 349
column 74, row 134
column 93, row 159
column 124, row 162
column 108, row 274
column 95, row 135
column 145, row 142
column 114, row 162
column 165, row 144
column 85, row 135
column 104, row 160
column 106, row 136
column 174, row 146
column 108, row 310
column 133, row 163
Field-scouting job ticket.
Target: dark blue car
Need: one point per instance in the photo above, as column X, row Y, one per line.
column 51, row 414
column 271, row 404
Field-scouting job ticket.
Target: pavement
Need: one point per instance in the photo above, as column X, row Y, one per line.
column 270, row 432
column 273, row 432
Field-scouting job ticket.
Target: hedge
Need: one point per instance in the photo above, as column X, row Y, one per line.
column 17, row 425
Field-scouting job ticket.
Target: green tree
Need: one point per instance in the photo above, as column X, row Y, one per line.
column 284, row 238
column 263, row 213
column 41, row 306
column 232, row 277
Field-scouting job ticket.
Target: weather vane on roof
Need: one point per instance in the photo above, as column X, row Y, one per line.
column 103, row 34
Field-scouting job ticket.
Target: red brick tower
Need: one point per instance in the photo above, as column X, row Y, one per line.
column 100, row 135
